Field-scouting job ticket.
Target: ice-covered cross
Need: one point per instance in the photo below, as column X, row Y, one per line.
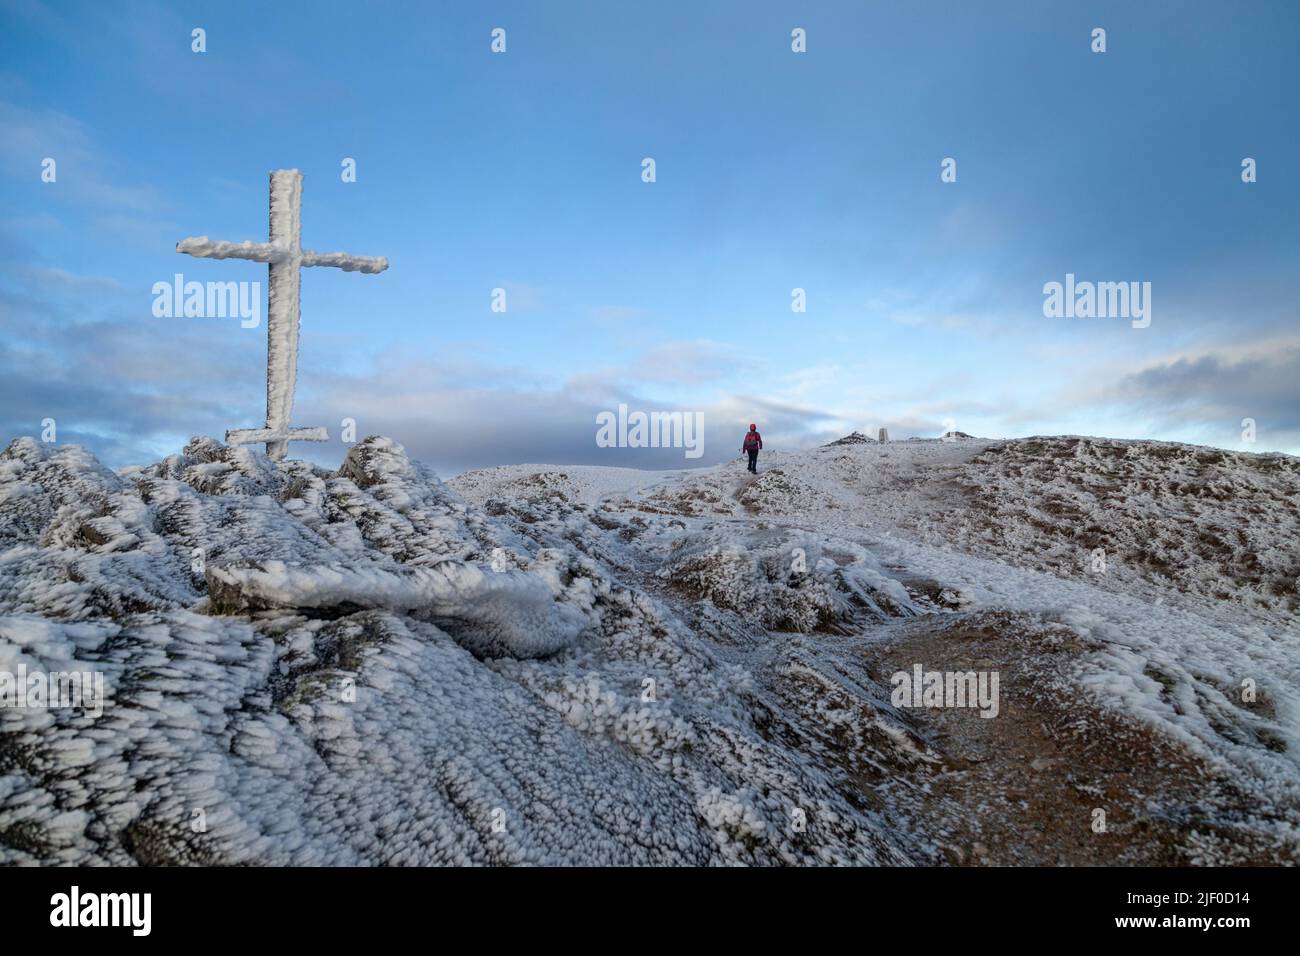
column 284, row 255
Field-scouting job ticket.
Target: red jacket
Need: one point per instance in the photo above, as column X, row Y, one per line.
column 753, row 442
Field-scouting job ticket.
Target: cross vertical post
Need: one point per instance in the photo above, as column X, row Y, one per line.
column 284, row 256
column 284, row 305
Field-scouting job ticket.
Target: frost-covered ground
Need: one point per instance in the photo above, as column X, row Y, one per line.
column 540, row 664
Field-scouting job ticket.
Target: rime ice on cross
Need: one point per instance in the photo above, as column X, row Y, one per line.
column 284, row 255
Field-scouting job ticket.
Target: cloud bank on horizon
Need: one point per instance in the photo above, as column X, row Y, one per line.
column 823, row 171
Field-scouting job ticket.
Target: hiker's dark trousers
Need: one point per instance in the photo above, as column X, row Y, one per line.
column 753, row 460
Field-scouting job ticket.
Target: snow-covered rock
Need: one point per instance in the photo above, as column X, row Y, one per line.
column 852, row 438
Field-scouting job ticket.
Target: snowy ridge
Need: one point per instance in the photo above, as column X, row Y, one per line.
column 244, row 716
column 541, row 664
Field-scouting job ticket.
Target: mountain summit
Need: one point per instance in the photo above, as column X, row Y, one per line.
column 566, row 664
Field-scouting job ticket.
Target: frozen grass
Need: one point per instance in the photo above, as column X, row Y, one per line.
column 541, row 664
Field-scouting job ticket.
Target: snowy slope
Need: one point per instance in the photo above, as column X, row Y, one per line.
column 543, row 664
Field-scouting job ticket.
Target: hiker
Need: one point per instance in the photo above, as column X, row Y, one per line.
column 753, row 442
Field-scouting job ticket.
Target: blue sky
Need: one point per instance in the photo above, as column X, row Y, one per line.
column 775, row 170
